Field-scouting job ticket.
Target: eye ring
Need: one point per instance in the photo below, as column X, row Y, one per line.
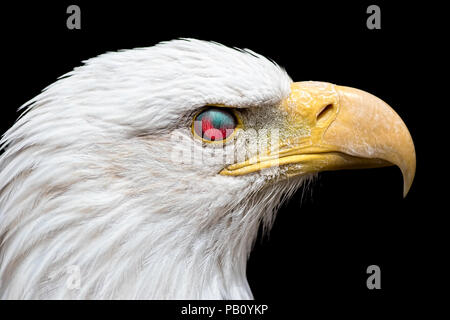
column 224, row 112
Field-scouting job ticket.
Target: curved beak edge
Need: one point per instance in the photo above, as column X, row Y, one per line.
column 367, row 127
column 349, row 129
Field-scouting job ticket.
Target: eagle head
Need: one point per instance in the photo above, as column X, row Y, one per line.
column 149, row 171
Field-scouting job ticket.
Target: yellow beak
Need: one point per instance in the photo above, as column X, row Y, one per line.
column 346, row 129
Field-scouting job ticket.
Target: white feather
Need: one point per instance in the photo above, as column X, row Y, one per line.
column 88, row 179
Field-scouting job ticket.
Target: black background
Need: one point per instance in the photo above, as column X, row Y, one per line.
column 326, row 236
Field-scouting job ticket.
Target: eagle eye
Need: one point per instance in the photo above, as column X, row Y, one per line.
column 214, row 124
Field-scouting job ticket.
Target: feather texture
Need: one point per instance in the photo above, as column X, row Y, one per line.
column 88, row 179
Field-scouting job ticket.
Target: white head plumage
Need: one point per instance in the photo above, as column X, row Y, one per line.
column 87, row 179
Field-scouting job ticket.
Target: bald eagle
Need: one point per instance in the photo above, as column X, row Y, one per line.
column 150, row 171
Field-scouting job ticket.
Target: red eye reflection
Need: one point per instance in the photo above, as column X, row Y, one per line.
column 215, row 124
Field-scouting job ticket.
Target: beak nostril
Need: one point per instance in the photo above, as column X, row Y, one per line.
column 325, row 113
